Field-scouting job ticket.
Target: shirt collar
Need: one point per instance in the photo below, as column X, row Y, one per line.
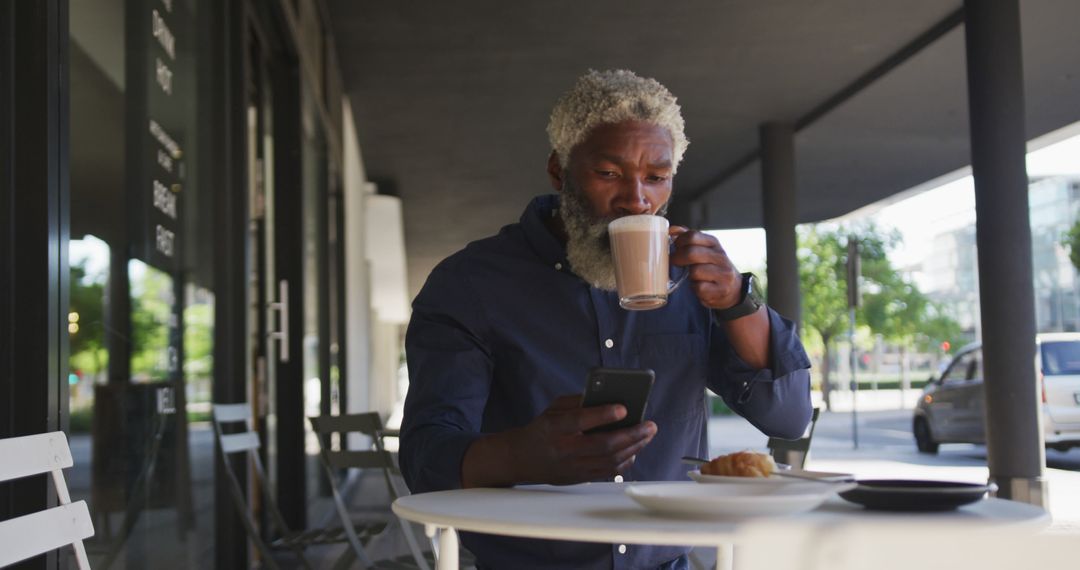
column 542, row 241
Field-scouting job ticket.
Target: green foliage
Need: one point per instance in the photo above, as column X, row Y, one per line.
column 80, row 420
column 937, row 326
column 824, row 297
column 88, row 353
column 199, row 340
column 152, row 304
column 1071, row 241
column 717, row 407
column 891, row 306
column 821, row 276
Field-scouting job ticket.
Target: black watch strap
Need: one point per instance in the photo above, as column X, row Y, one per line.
column 749, row 301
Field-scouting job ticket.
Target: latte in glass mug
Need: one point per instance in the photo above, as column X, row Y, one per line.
column 639, row 247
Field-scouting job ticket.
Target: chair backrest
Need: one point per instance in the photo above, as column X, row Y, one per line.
column 245, row 442
column 369, row 424
column 794, row 451
column 37, row 533
column 333, row 461
column 239, row 442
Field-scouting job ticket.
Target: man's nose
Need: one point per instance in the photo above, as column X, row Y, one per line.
column 632, row 199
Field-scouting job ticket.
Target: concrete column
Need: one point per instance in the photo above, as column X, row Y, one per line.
column 778, row 204
column 996, row 104
column 360, row 322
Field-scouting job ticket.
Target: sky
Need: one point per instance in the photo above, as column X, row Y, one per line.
column 920, row 213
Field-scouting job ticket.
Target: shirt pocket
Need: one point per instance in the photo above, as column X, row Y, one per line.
column 680, row 364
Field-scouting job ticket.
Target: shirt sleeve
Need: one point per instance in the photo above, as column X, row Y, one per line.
column 776, row 400
column 450, row 371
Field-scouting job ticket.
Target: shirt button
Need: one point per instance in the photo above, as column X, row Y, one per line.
column 622, row 549
column 609, row 343
column 558, row 266
column 618, row 478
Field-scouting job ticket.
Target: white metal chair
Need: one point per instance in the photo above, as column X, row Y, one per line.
column 37, row 533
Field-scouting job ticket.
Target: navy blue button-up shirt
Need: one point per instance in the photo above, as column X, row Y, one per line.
column 504, row 326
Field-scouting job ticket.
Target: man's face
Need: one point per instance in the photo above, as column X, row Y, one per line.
column 620, row 170
column 623, row 169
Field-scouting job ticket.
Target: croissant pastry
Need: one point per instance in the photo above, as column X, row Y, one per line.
column 740, row 464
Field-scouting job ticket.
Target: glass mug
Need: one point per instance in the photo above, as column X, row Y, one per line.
column 639, row 247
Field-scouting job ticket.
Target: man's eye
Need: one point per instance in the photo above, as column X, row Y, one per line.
column 657, row 178
column 606, row 173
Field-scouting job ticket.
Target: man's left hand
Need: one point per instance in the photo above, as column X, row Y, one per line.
column 713, row 277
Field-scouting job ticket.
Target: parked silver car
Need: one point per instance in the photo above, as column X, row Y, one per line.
column 952, row 407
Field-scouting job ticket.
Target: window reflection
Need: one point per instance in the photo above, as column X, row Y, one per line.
column 140, row 328
column 155, row 352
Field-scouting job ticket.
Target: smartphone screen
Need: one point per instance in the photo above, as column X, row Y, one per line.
column 627, row 386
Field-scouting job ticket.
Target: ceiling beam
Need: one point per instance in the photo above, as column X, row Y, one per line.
column 947, row 24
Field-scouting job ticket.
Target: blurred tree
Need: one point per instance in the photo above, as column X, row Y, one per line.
column 939, row 327
column 153, row 303
column 1071, row 241
column 88, row 353
column 892, row 306
column 824, row 301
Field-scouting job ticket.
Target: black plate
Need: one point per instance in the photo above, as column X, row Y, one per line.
column 913, row 495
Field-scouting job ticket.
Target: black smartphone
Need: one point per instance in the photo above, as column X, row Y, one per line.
column 627, row 386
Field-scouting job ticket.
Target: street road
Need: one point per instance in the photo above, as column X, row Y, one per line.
column 883, row 434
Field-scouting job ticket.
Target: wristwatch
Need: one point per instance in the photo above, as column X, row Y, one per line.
column 749, row 301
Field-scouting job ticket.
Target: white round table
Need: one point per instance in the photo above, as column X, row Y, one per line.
column 601, row 512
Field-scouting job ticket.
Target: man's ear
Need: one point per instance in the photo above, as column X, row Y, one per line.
column 555, row 171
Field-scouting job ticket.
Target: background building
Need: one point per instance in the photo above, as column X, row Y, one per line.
column 949, row 271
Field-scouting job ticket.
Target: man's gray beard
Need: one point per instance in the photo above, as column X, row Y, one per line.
column 588, row 247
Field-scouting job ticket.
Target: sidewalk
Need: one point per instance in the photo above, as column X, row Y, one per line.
column 870, row 400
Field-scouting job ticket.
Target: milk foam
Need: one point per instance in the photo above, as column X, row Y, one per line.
column 644, row 222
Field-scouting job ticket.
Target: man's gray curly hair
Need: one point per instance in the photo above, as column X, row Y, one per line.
column 601, row 97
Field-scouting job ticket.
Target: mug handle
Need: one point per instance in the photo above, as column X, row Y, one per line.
column 673, row 285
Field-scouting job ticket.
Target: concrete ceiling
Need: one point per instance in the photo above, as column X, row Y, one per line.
column 451, row 98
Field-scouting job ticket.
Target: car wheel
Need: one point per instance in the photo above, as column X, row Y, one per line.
column 923, row 440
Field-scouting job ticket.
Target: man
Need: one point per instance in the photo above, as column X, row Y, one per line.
column 504, row 332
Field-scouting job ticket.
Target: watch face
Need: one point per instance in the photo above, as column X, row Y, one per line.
column 753, row 293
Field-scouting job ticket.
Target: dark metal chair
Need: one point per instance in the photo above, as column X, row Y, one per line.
column 335, row 462
column 794, row 451
column 297, row 541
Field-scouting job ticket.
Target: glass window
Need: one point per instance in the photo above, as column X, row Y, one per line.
column 318, row 383
column 1060, row 358
column 961, row 368
column 974, row 367
column 140, row 326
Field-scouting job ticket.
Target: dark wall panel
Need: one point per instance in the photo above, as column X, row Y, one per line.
column 33, row 193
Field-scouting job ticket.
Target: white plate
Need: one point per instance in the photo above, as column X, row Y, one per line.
column 729, row 501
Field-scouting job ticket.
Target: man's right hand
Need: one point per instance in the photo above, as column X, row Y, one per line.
column 554, row 449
